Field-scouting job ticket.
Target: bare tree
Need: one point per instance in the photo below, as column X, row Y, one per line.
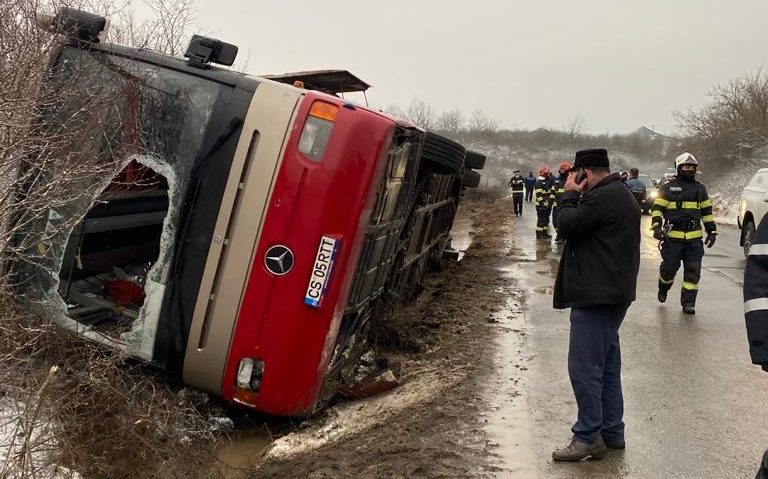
column 451, row 121
column 733, row 125
column 421, row 114
column 575, row 128
column 480, row 123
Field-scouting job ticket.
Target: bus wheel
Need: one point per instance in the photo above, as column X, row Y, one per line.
column 471, row 179
column 442, row 154
column 474, row 160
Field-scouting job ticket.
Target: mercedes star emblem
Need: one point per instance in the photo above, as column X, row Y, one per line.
column 278, row 260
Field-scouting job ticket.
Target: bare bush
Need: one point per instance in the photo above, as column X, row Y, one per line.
column 69, row 404
column 733, row 125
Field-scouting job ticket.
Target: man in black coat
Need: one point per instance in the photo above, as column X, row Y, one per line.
column 599, row 220
column 756, row 308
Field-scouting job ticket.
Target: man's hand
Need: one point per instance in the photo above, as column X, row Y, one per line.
column 710, row 241
column 658, row 234
column 571, row 185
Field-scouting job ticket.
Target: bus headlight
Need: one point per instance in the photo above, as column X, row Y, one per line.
column 249, row 374
column 317, row 129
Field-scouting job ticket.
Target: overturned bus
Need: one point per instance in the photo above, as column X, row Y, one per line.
column 244, row 230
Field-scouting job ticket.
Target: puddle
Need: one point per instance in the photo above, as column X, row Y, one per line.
column 508, row 422
column 462, row 232
column 236, row 457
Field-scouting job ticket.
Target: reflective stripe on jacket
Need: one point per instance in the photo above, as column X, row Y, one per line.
column 683, row 206
column 518, row 184
column 544, row 195
column 560, row 187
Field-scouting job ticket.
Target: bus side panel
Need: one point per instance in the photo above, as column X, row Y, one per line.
column 332, row 198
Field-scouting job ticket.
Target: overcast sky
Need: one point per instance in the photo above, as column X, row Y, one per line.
column 615, row 64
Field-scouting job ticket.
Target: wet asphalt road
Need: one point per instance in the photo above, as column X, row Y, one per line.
column 694, row 405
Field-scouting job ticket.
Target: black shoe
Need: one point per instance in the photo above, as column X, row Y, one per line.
column 662, row 296
column 689, row 310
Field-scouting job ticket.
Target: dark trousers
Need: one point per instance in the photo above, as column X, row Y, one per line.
column 528, row 194
column 542, row 221
column 689, row 254
column 594, row 366
column 517, row 200
column 554, row 217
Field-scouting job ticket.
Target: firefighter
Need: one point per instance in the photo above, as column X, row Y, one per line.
column 544, row 197
column 756, row 308
column 517, row 183
column 559, row 189
column 680, row 207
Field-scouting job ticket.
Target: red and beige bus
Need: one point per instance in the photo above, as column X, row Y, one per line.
column 247, row 228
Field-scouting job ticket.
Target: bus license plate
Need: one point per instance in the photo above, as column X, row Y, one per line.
column 321, row 271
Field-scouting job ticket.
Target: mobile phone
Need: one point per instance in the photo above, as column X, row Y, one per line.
column 581, row 175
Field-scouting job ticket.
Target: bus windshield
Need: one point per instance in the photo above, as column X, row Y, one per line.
column 129, row 132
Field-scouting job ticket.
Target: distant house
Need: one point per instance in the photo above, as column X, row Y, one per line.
column 646, row 132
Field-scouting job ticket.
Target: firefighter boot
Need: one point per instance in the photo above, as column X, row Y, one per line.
column 689, row 309
column 662, row 296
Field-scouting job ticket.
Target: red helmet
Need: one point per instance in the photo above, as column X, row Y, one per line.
column 544, row 171
column 565, row 166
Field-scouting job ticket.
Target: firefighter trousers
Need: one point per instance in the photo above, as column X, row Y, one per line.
column 542, row 221
column 517, row 200
column 689, row 254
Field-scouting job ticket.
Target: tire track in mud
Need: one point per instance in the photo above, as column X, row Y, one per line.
column 431, row 426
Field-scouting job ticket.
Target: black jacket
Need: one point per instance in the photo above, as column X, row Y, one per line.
column 684, row 205
column 756, row 296
column 602, row 250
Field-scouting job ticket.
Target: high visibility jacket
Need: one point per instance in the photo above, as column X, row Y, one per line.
column 756, row 296
column 682, row 206
column 544, row 193
column 559, row 187
column 518, row 184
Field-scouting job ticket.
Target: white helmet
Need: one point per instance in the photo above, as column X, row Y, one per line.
column 685, row 159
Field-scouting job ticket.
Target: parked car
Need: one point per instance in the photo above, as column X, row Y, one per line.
column 254, row 228
column 752, row 207
column 650, row 193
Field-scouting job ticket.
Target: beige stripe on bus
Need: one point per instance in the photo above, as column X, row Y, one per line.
column 238, row 228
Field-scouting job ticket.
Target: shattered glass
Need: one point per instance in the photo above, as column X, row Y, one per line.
column 128, row 112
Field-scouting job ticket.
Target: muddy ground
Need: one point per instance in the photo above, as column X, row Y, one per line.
column 432, row 425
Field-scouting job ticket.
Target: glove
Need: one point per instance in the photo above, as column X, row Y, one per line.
column 658, row 234
column 710, row 241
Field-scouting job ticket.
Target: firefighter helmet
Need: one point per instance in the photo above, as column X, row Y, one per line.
column 685, row 159
column 565, row 166
column 544, row 171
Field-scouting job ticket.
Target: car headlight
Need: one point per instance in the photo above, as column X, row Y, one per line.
column 654, row 194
